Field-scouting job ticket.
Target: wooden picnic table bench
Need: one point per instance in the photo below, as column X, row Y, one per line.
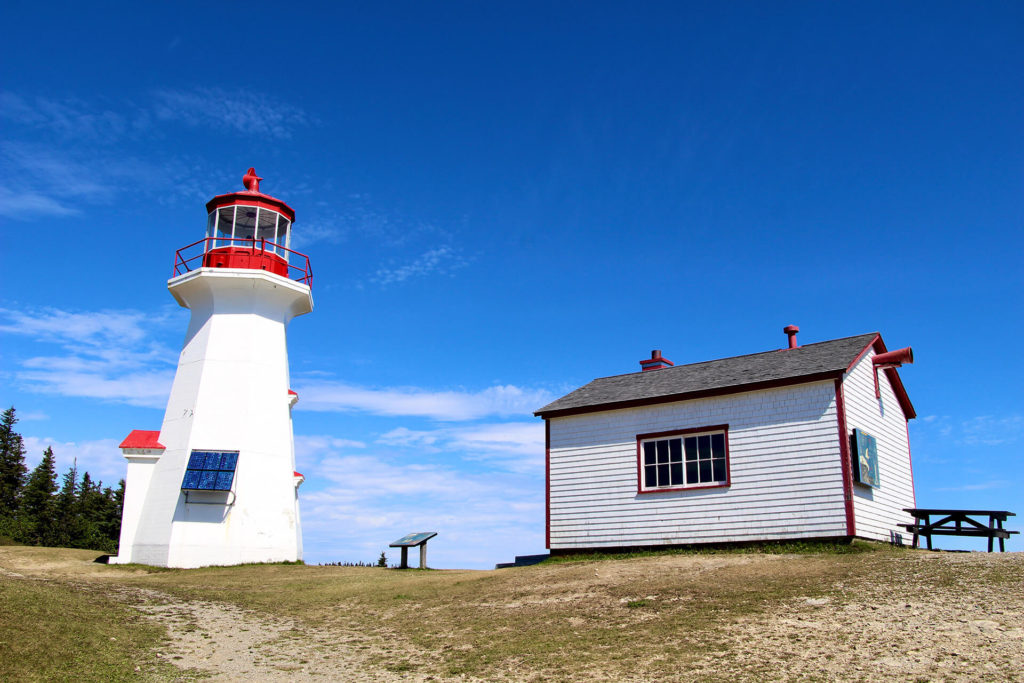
column 959, row 523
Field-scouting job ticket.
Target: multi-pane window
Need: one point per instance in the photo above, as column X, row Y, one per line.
column 689, row 459
column 210, row 471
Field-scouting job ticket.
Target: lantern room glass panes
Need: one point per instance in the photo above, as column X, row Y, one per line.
column 225, row 224
column 679, row 462
column 283, row 236
column 232, row 225
column 267, row 228
column 210, row 471
column 245, row 222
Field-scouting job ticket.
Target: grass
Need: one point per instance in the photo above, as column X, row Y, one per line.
column 52, row 632
column 775, row 548
column 553, row 617
column 569, row 617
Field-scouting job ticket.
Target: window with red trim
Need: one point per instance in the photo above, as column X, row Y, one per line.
column 695, row 458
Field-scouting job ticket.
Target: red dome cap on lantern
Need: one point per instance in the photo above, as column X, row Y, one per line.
column 251, row 196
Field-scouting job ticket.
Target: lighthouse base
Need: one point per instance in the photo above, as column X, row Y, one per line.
column 230, row 403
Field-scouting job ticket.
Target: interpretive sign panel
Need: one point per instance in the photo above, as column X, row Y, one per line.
column 413, row 540
column 865, row 463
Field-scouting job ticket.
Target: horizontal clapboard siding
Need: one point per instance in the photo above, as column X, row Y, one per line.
column 878, row 511
column 784, row 461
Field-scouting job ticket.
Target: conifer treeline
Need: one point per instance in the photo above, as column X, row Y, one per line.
column 79, row 513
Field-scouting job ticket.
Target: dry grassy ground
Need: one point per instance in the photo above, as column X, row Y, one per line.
column 877, row 615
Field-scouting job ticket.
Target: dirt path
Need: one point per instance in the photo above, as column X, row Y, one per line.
column 231, row 644
column 221, row 642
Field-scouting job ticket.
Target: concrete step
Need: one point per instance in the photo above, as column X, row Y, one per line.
column 523, row 561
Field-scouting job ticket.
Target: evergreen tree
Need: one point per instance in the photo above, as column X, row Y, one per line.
column 97, row 509
column 69, row 524
column 82, row 514
column 12, row 467
column 38, row 509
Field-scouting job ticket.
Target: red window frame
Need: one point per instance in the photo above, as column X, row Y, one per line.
column 640, row 438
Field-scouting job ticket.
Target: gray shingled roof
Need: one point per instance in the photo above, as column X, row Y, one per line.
column 812, row 361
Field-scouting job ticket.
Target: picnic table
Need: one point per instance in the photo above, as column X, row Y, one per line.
column 959, row 523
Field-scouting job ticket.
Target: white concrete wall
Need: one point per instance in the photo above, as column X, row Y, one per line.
column 136, row 484
column 785, row 466
column 230, row 393
column 878, row 511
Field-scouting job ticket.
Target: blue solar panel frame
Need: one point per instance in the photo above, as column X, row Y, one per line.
column 210, row 471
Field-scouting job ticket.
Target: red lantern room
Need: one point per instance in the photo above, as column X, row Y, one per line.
column 247, row 229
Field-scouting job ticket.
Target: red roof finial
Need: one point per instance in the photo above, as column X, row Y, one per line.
column 251, row 180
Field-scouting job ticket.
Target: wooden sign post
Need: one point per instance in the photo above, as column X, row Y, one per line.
column 411, row 541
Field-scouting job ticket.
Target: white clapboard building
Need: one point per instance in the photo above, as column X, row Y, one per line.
column 216, row 484
column 806, row 442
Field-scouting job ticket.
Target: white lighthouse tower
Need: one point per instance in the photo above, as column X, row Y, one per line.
column 217, row 484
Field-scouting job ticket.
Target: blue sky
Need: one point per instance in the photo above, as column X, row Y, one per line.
column 503, row 202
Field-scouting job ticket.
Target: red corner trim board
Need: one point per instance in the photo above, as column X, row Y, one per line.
column 547, row 484
column 844, row 454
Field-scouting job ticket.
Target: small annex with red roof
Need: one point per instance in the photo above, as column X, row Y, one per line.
column 804, row 442
column 142, row 439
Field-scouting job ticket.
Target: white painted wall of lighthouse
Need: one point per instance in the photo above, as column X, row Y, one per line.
column 230, row 393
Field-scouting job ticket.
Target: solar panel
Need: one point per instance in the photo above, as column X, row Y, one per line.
column 210, row 471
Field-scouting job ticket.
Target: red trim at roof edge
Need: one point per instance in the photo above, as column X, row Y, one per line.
column 142, row 438
column 689, row 395
column 876, row 343
column 894, row 377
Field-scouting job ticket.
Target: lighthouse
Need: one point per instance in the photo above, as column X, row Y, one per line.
column 217, row 485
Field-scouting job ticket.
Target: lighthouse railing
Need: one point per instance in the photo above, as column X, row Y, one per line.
column 192, row 256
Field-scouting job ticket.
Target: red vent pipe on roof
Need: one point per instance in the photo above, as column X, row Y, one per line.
column 895, row 358
column 890, row 359
column 791, row 330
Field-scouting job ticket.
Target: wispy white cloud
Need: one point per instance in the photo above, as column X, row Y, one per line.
column 317, row 445
column 110, row 355
column 989, row 430
column 68, row 154
column 43, row 181
column 243, row 111
column 366, row 501
column 513, row 446
column 978, row 486
column 24, row 203
column 441, row 260
column 317, row 231
column 981, row 430
column 145, row 389
column 71, row 118
column 101, row 458
column 95, row 329
column 452, row 405
column 46, row 180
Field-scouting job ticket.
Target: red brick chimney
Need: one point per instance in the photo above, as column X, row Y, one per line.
column 656, row 362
